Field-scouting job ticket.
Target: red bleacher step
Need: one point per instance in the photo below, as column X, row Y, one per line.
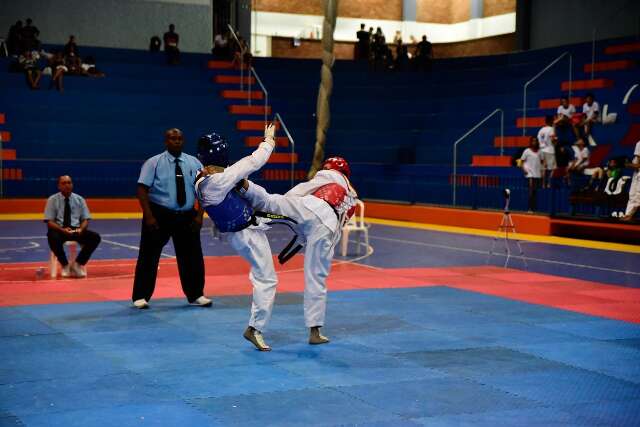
column 253, row 125
column 624, row 64
column 5, row 136
column 253, row 141
column 632, row 136
column 512, row 141
column 12, row 174
column 8, row 154
column 257, row 110
column 241, row 94
column 223, row 65
column 283, row 158
column 532, row 122
column 227, row 79
column 547, row 104
column 2, row 119
column 499, row 161
column 587, row 84
column 283, row 174
column 622, row 48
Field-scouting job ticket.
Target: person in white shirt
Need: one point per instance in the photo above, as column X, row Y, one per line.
column 581, row 155
column 591, row 111
column 634, row 192
column 547, row 140
column 564, row 114
column 321, row 207
column 531, row 164
column 219, row 192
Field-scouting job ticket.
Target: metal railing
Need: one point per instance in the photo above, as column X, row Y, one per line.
column 526, row 85
column 291, row 143
column 264, row 90
column 233, row 32
column 469, row 132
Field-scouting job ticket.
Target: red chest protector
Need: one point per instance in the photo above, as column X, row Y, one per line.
column 333, row 193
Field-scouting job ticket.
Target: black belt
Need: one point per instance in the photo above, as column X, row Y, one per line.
column 291, row 249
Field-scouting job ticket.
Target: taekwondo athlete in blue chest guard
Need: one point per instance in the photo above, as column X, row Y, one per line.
column 219, row 191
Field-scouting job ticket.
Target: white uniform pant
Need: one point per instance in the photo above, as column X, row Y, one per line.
column 318, row 253
column 252, row 245
column 634, row 195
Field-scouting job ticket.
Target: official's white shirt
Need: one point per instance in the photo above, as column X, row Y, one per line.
column 545, row 136
column 212, row 189
column 567, row 112
column 589, row 110
column 532, row 163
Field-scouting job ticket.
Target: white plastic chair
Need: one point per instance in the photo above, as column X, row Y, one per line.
column 355, row 224
column 71, row 257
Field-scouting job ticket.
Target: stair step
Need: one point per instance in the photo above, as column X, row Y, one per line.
column 632, row 136
column 283, row 158
column 532, row 122
column 512, row 141
column 257, row 110
column 634, row 109
column 229, row 79
column 5, row 136
column 587, row 84
column 253, row 141
column 547, row 104
column 283, row 174
column 253, row 125
column 8, row 154
column 622, row 48
column 12, row 174
column 495, row 161
column 241, row 94
column 624, row 64
column 223, row 65
column 2, row 119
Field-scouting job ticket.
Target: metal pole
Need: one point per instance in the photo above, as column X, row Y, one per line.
column 501, row 132
column 291, row 142
column 593, row 50
column 264, row 90
column 233, row 32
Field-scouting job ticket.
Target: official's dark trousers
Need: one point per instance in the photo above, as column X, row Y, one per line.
column 88, row 239
column 186, row 241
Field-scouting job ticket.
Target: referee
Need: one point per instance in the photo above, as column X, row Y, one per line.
column 166, row 195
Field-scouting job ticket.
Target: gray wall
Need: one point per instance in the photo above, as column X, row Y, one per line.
column 114, row 23
column 555, row 23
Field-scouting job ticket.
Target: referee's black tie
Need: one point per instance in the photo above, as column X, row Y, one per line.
column 66, row 218
column 180, row 191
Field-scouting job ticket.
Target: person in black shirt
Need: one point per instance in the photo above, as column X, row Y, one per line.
column 14, row 39
column 71, row 48
column 29, row 35
column 362, row 48
column 424, row 54
column 171, row 40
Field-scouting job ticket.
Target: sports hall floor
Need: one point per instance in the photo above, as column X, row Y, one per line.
column 425, row 331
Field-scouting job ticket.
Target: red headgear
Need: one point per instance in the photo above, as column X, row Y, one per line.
column 337, row 164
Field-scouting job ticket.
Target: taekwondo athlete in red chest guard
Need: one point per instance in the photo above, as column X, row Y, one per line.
column 320, row 208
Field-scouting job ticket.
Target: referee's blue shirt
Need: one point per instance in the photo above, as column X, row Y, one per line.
column 54, row 210
column 159, row 174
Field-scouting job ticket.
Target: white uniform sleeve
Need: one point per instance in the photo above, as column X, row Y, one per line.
column 213, row 188
column 257, row 196
column 323, row 177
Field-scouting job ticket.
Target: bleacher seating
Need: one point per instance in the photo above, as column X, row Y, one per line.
column 396, row 128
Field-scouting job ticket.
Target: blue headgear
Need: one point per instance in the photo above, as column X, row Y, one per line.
column 213, row 150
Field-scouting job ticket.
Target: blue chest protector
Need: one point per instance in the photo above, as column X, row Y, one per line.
column 233, row 214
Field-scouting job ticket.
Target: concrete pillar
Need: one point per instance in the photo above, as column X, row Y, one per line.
column 477, row 9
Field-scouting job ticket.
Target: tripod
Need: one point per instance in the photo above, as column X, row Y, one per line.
column 507, row 226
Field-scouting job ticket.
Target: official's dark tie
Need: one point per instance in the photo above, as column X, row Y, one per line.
column 180, row 191
column 66, row 219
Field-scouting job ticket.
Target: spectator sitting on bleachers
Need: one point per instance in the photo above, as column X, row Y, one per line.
column 71, row 48
column 58, row 69
column 424, row 54
column 171, row 40
column 29, row 36
column 74, row 65
column 89, row 67
column 29, row 64
column 591, row 111
column 602, row 175
column 634, row 191
column 564, row 114
column 154, row 44
column 547, row 139
column 531, row 164
column 14, row 39
column 581, row 155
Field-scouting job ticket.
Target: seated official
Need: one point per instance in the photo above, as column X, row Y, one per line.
column 67, row 217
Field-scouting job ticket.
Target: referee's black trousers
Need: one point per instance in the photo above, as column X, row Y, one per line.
column 186, row 241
